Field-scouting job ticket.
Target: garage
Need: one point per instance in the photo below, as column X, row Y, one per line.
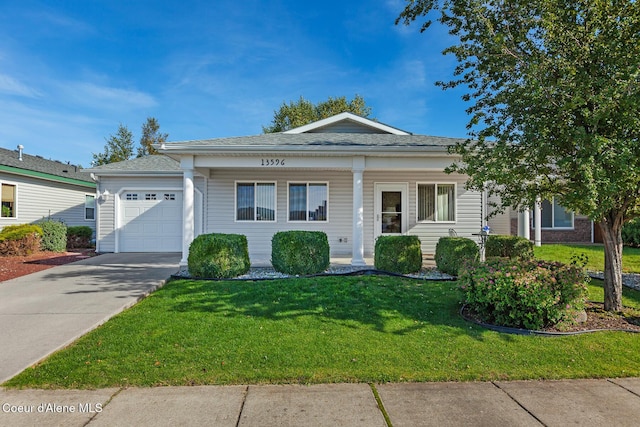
column 151, row 221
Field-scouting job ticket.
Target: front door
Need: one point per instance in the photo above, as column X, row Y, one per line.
column 391, row 208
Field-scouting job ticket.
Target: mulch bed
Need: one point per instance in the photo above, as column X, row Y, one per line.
column 16, row 266
column 597, row 320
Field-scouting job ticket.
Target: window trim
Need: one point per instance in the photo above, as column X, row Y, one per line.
column 15, row 201
column 455, row 203
column 95, row 208
column 553, row 218
column 307, row 183
column 255, row 207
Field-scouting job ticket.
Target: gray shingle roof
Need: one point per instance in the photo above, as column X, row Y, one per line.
column 315, row 140
column 42, row 165
column 152, row 164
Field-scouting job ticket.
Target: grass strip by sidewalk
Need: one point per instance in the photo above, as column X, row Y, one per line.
column 319, row 330
column 595, row 254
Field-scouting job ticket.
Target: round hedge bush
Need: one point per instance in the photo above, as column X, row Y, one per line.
column 453, row 252
column 218, row 256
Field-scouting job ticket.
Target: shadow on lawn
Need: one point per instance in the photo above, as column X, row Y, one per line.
column 389, row 305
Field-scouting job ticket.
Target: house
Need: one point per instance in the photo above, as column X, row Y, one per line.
column 33, row 188
column 351, row 177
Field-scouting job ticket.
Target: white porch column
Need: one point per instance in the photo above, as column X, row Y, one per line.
column 537, row 222
column 357, row 256
column 187, row 207
column 526, row 232
column 524, row 224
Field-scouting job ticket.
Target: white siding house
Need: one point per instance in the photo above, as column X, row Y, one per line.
column 351, row 177
column 33, row 188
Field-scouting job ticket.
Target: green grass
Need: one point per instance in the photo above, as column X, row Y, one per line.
column 319, row 330
column 595, row 254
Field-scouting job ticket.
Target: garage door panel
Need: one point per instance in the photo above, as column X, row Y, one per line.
column 152, row 225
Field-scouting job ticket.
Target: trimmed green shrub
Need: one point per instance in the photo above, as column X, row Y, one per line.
column 524, row 294
column 20, row 240
column 453, row 252
column 79, row 237
column 398, row 254
column 508, row 247
column 300, row 252
column 631, row 233
column 54, row 235
column 218, row 256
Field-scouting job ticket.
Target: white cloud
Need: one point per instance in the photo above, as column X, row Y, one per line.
column 11, row 86
column 105, row 97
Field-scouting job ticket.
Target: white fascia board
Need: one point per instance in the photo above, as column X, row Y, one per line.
column 346, row 116
column 174, row 152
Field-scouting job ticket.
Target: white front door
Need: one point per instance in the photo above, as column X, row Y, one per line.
column 391, row 208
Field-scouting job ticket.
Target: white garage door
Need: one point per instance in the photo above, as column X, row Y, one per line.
column 151, row 221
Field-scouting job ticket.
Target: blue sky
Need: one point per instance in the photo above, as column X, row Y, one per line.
column 72, row 71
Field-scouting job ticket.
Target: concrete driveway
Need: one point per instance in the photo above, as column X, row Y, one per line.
column 44, row 311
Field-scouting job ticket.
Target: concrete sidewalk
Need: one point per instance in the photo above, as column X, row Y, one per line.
column 45, row 311
column 520, row 403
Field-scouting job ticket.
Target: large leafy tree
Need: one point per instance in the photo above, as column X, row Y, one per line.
column 554, row 89
column 119, row 147
column 303, row 112
column 150, row 135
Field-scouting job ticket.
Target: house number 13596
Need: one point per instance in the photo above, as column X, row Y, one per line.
column 272, row 162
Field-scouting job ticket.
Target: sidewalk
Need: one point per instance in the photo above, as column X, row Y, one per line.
column 519, row 403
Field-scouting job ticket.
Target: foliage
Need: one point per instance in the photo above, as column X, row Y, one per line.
column 300, row 252
column 5, row 211
column 54, row 235
column 524, row 294
column 508, row 247
column 20, row 240
column 631, row 233
column 555, row 90
column 150, row 136
column 304, row 112
column 218, row 256
column 398, row 254
column 453, row 252
column 79, row 237
column 366, row 329
column 119, row 147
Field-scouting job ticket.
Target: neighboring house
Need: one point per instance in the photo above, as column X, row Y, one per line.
column 557, row 224
column 353, row 178
column 33, row 188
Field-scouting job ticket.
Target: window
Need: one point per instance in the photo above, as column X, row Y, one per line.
column 554, row 215
column 150, row 196
column 132, row 196
column 436, row 202
column 8, row 201
column 89, row 207
column 255, row 201
column 308, row 201
column 169, row 196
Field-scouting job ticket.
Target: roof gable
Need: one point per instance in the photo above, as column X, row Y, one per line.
column 347, row 123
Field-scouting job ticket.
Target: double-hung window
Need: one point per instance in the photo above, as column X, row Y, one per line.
column 8, row 200
column 308, row 201
column 436, row 202
column 89, row 207
column 255, row 201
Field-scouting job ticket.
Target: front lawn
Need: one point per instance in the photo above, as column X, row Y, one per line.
column 595, row 254
column 319, row 330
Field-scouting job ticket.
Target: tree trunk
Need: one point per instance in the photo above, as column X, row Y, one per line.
column 612, row 238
